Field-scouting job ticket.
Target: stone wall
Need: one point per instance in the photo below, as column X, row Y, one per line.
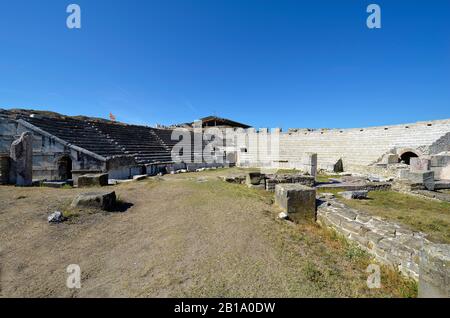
column 360, row 146
column 393, row 245
column 388, row 242
column 47, row 150
column 4, row 168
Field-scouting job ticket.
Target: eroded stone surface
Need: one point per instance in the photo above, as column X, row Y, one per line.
column 388, row 242
column 420, row 164
column 22, row 160
column 96, row 200
column 435, row 271
column 357, row 195
column 297, row 200
column 425, row 177
column 93, row 180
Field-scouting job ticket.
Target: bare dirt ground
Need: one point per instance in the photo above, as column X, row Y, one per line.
column 186, row 235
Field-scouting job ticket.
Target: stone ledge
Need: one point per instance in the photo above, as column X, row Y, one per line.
column 389, row 243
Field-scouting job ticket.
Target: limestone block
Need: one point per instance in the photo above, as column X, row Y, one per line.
column 93, row 180
column 359, row 195
column 22, row 159
column 403, row 173
column 96, row 200
column 309, row 163
column 440, row 160
column 390, row 158
column 434, row 278
column 426, row 178
column 419, row 164
column 297, row 200
column 78, row 173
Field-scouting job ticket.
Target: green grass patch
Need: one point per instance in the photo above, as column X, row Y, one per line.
column 326, row 177
column 425, row 215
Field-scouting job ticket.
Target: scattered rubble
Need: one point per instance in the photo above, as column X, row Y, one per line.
column 283, row 216
column 56, row 217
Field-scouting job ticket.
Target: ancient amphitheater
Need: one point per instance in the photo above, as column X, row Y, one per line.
column 80, row 144
column 46, row 149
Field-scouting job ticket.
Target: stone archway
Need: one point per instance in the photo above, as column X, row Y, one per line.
column 64, row 164
column 407, row 155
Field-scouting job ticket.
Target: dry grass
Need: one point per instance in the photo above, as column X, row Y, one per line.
column 185, row 235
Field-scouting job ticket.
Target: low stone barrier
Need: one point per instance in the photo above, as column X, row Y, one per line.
column 93, row 180
column 273, row 180
column 434, row 280
column 98, row 200
column 389, row 243
column 433, row 195
column 392, row 244
column 268, row 182
column 367, row 186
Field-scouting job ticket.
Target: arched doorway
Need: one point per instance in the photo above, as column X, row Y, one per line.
column 406, row 157
column 64, row 168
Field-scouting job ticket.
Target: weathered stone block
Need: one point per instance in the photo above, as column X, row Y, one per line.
column 363, row 218
column 348, row 214
column 434, row 278
column 351, row 226
column 297, row 200
column 22, row 159
column 426, row 178
column 440, row 160
column 309, row 163
column 390, row 158
column 76, row 173
column 96, row 200
column 419, row 164
column 359, row 195
column 335, row 218
column 93, row 180
column 403, row 173
column 374, row 237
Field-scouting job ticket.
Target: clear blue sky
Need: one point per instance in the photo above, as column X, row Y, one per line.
column 266, row 63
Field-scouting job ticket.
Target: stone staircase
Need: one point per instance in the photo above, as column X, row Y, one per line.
column 105, row 138
column 138, row 141
column 77, row 132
